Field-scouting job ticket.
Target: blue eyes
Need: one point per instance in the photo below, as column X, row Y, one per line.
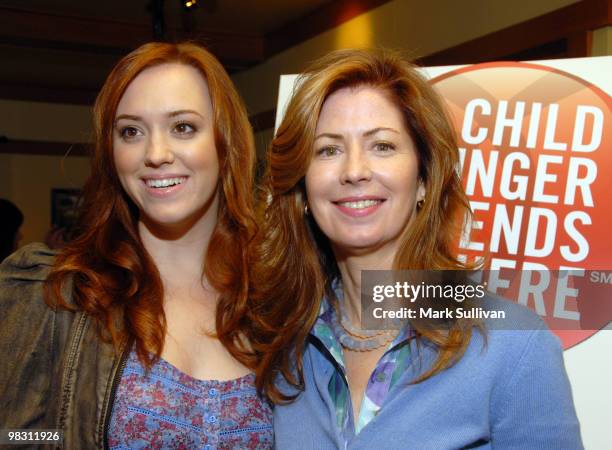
column 180, row 129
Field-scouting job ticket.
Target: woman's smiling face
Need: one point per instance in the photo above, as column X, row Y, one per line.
column 362, row 184
column 164, row 147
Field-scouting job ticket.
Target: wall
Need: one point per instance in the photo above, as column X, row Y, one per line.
column 602, row 42
column 27, row 180
column 419, row 28
column 29, row 183
column 40, row 121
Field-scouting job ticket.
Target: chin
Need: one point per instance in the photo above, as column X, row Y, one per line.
column 166, row 218
column 355, row 243
column 358, row 246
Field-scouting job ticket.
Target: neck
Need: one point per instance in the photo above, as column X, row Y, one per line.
column 179, row 251
column 351, row 265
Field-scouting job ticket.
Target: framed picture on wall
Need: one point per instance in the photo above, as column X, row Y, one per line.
column 64, row 208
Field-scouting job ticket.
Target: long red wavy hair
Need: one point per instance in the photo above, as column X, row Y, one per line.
column 106, row 272
column 295, row 264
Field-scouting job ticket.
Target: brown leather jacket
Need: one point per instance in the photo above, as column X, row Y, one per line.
column 55, row 371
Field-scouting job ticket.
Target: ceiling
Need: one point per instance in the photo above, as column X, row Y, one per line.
column 61, row 50
column 246, row 16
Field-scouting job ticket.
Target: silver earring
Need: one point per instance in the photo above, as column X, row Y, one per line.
column 420, row 204
column 306, row 210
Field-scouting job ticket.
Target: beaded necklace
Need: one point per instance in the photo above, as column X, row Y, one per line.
column 356, row 339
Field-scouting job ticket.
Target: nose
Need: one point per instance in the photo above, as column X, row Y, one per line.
column 356, row 167
column 158, row 151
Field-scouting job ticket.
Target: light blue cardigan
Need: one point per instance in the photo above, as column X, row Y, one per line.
column 510, row 393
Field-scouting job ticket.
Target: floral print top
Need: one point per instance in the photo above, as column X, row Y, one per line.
column 389, row 369
column 167, row 409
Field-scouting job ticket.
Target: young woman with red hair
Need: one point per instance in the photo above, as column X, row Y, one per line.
column 131, row 346
column 363, row 176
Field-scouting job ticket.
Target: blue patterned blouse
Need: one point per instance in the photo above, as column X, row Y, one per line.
column 167, row 409
column 389, row 369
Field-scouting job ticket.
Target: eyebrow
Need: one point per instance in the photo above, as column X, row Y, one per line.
column 328, row 135
column 170, row 114
column 378, row 129
column 365, row 134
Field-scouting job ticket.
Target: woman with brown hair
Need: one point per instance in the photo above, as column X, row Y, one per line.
column 131, row 347
column 362, row 176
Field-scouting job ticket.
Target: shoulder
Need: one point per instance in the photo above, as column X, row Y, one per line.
column 516, row 316
column 511, row 333
column 520, row 356
column 30, row 263
column 22, row 276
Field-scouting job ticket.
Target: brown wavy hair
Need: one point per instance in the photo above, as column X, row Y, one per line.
column 105, row 271
column 296, row 265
